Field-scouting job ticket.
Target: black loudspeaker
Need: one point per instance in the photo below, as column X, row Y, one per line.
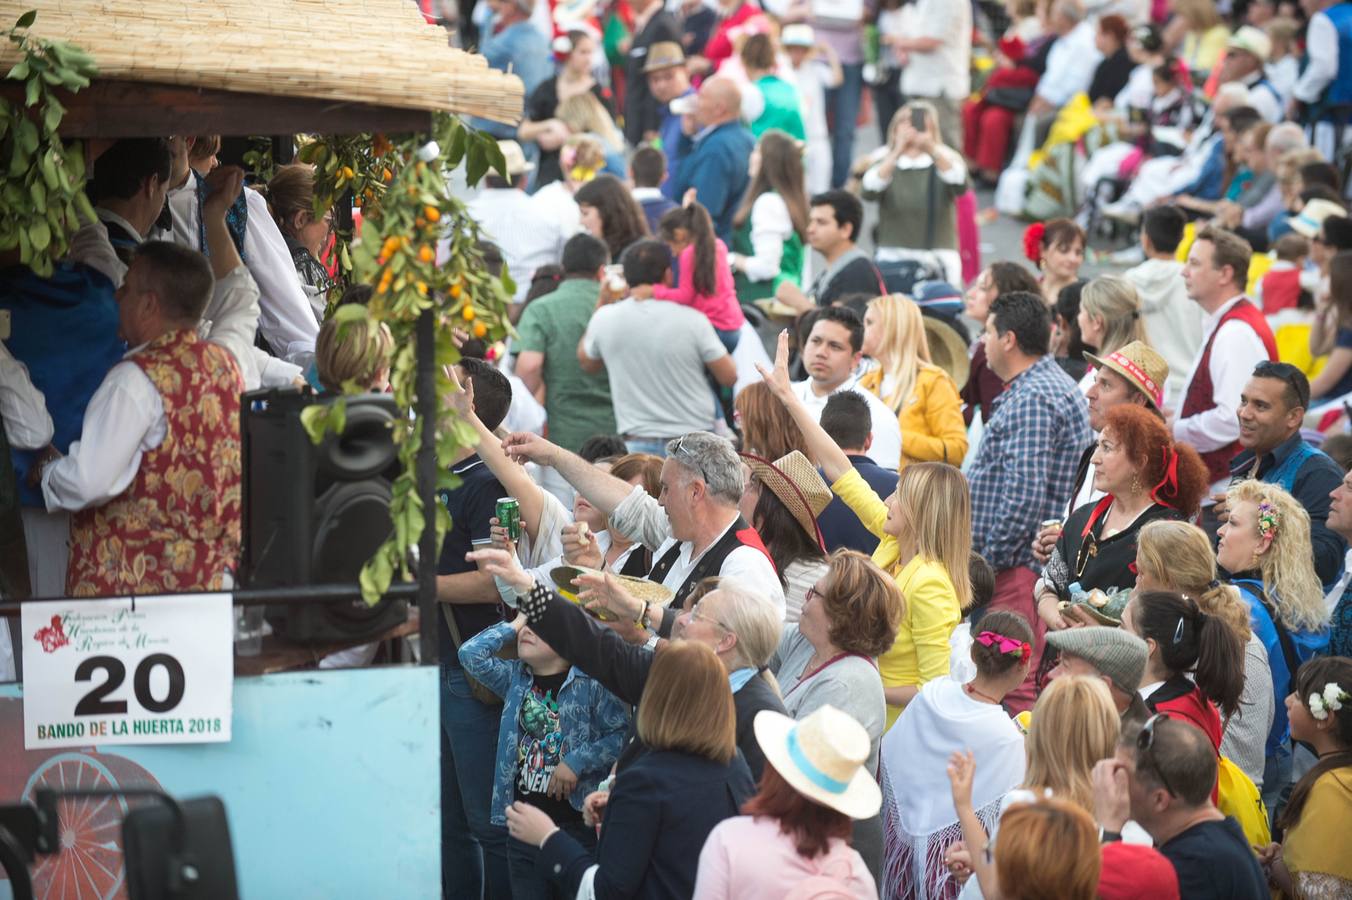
column 314, row 514
column 204, row 867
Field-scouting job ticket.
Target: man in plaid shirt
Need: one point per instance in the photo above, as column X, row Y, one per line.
column 1025, row 469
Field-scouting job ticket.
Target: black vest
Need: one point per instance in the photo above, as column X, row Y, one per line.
column 710, row 564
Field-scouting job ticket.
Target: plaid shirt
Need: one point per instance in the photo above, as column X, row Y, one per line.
column 1025, row 468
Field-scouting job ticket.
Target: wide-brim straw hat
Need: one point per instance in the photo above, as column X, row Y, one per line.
column 823, row 758
column 1143, row 368
column 948, row 350
column 1311, row 217
column 515, row 157
column 654, row 593
column 797, row 484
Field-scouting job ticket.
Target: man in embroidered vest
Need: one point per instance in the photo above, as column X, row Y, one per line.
column 694, row 528
column 1271, row 409
column 1235, row 337
column 154, row 480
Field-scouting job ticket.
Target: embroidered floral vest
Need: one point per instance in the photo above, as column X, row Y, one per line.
column 177, row 526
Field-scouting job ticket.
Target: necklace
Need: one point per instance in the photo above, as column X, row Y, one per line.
column 987, row 697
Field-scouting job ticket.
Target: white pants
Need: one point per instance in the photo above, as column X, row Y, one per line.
column 818, row 165
column 1162, row 176
column 1105, row 163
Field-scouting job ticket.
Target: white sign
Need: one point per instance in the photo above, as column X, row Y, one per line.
column 160, row 671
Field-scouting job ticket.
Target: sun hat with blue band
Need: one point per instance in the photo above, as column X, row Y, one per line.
column 822, row 757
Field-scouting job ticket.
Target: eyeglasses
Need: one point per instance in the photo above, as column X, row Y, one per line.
column 1145, row 742
column 696, row 617
column 813, row 592
column 686, row 457
column 1288, row 375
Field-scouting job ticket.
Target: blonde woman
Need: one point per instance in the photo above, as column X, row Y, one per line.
column 1110, row 318
column 925, row 543
column 1176, row 556
column 1197, row 34
column 1265, row 543
column 584, row 114
column 1074, row 725
column 923, row 396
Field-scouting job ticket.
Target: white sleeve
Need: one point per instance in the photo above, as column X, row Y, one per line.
column 124, row 419
column 285, row 317
column 232, row 317
column 872, row 182
column 90, row 246
column 957, row 171
column 753, row 567
column 886, row 447
column 1321, row 45
column 771, row 226
column 1235, row 351
column 28, row 425
column 639, row 517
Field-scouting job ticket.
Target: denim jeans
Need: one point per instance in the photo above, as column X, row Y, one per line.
column 473, row 851
column 842, row 110
column 655, row 446
column 528, row 883
column 1276, row 781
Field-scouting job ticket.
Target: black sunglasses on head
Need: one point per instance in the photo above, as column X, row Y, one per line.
column 1145, row 742
column 1288, row 375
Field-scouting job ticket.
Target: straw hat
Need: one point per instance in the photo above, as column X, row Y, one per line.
column 822, row 757
column 1143, row 368
column 1252, row 41
column 515, row 158
column 652, row 592
column 947, row 350
column 797, row 484
column 664, row 55
column 1312, row 217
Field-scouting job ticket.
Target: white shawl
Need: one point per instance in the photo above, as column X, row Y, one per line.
column 919, row 819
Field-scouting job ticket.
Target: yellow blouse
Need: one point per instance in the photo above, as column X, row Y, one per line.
column 932, row 429
column 920, row 652
column 1202, row 51
column 1315, row 848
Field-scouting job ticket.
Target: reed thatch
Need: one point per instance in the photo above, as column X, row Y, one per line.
column 377, row 52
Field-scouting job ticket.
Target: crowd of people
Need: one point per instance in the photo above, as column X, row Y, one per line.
column 847, row 565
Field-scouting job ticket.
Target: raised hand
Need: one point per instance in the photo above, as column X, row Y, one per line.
column 223, row 187
column 502, row 564
column 961, row 773
column 524, row 447
column 777, row 379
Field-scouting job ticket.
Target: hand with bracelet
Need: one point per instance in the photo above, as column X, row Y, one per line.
column 604, row 591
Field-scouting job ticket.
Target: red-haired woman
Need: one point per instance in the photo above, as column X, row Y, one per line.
column 1146, row 477
column 793, row 836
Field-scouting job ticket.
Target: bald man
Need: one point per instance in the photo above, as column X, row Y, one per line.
column 716, row 149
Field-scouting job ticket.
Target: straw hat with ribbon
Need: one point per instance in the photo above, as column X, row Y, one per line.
column 822, row 757
column 797, row 484
column 1143, row 368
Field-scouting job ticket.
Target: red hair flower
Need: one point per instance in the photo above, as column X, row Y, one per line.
column 1032, row 242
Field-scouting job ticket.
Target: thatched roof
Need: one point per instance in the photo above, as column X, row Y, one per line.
column 368, row 54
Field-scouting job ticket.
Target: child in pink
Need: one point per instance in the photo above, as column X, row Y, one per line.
column 704, row 279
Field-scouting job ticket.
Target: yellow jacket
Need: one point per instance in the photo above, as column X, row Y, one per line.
column 920, row 652
column 932, row 429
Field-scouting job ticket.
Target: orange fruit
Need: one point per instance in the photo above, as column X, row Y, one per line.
column 426, row 254
column 467, row 312
column 432, row 213
column 456, row 291
column 480, row 329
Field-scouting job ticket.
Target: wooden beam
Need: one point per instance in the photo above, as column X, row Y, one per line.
column 118, row 109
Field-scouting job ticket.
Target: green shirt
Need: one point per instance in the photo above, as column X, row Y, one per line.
column 781, row 109
column 578, row 404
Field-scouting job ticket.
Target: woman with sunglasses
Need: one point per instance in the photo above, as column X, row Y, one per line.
column 1147, row 478
column 829, row 656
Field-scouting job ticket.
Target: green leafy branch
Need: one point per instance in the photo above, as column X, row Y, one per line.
column 410, row 209
column 43, row 189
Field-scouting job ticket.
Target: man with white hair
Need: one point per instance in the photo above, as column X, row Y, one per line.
column 1071, row 61
column 693, row 527
column 1165, row 176
column 1252, row 223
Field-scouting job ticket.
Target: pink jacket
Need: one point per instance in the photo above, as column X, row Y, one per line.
column 722, row 309
column 751, row 859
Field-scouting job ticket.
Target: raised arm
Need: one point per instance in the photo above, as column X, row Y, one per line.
column 602, row 490
column 830, row 457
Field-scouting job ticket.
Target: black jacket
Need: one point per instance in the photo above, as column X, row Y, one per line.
column 660, row 812
column 642, row 113
column 622, row 669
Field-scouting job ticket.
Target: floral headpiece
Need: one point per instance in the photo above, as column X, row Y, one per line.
column 1267, row 519
column 1331, row 699
column 1032, row 242
column 1005, row 644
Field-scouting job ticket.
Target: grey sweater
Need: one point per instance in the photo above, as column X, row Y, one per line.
column 903, row 211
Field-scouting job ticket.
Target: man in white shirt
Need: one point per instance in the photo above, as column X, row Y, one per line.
column 831, row 356
column 1071, row 61
column 938, row 51
column 127, row 419
column 694, row 529
column 130, row 182
column 1325, row 66
column 1235, row 338
column 513, row 221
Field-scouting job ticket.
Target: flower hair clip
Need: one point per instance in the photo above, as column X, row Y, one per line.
column 1331, row 698
column 1032, row 242
column 1004, row 644
column 1267, row 519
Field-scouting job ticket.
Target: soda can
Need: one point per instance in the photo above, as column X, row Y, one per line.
column 509, row 516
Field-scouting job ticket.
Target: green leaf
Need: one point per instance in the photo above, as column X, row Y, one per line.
column 20, row 71
column 476, row 163
column 350, row 312
column 26, row 20
column 315, row 420
column 32, row 91
column 495, row 157
column 53, row 114
column 41, row 233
